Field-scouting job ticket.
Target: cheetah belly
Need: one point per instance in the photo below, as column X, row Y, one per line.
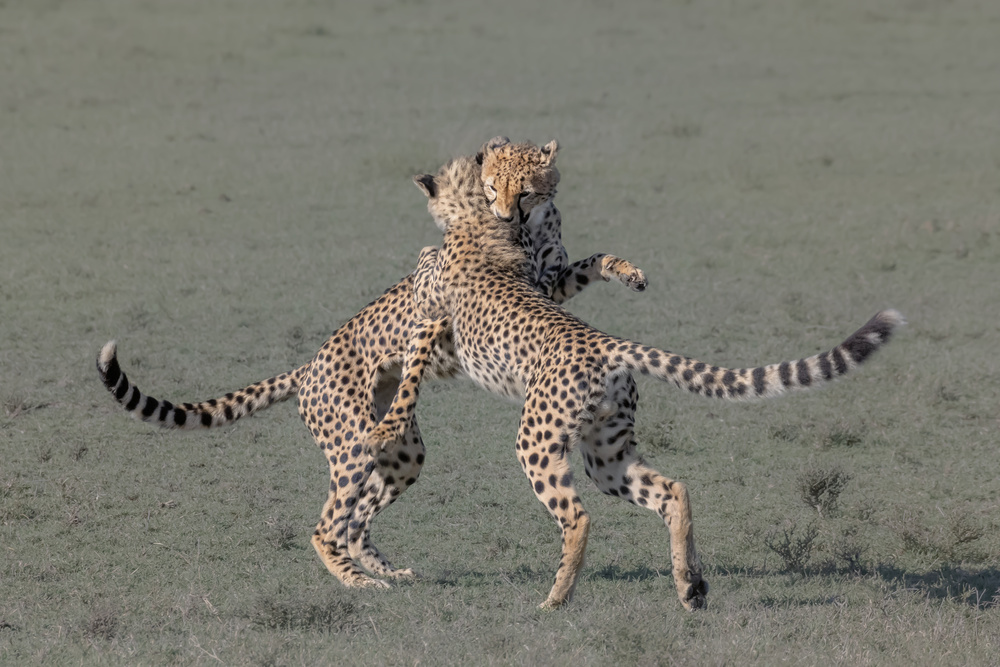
column 489, row 370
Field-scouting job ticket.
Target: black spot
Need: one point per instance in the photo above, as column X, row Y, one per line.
column 758, row 380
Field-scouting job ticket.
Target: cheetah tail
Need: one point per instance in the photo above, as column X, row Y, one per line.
column 763, row 381
column 207, row 414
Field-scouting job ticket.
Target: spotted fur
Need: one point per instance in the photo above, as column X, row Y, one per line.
column 345, row 390
column 576, row 381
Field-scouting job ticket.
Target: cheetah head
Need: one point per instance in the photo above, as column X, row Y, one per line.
column 517, row 177
column 454, row 187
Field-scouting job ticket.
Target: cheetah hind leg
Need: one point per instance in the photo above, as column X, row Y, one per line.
column 336, row 557
column 611, row 461
column 387, row 482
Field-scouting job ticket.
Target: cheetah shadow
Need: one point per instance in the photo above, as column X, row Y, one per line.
column 978, row 588
column 543, row 575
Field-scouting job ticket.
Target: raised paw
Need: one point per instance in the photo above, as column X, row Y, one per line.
column 624, row 272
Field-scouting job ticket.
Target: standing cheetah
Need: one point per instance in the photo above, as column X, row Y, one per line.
column 346, row 388
column 575, row 380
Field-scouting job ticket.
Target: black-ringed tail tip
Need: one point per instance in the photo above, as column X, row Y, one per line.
column 206, row 414
column 740, row 384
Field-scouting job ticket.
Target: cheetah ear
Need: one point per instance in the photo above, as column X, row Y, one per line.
column 490, row 146
column 549, row 151
column 426, row 184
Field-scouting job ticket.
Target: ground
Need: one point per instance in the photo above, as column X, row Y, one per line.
column 212, row 186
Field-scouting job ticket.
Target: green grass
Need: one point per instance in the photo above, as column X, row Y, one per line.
column 219, row 187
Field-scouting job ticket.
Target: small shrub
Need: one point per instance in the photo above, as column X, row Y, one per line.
column 298, row 614
column 13, row 405
column 850, row 549
column 947, row 542
column 964, row 529
column 282, row 533
column 501, row 545
column 786, row 432
column 820, row 488
column 659, row 438
column 102, row 624
column 845, row 436
column 793, row 546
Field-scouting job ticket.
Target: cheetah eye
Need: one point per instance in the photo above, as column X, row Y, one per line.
column 490, row 190
column 524, row 193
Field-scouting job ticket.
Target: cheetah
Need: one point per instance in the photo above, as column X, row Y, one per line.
column 347, row 387
column 575, row 381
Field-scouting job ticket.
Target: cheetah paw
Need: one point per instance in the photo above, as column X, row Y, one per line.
column 379, row 438
column 693, row 595
column 624, row 272
column 368, row 582
column 405, row 573
column 635, row 280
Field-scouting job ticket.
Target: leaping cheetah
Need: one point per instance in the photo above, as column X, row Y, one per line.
column 575, row 380
column 346, row 388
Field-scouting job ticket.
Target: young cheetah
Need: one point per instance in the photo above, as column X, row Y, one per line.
column 346, row 388
column 575, row 380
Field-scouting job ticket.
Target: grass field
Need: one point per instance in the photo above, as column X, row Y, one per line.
column 219, row 185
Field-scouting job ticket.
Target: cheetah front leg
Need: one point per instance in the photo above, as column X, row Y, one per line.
column 570, row 281
column 388, row 432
